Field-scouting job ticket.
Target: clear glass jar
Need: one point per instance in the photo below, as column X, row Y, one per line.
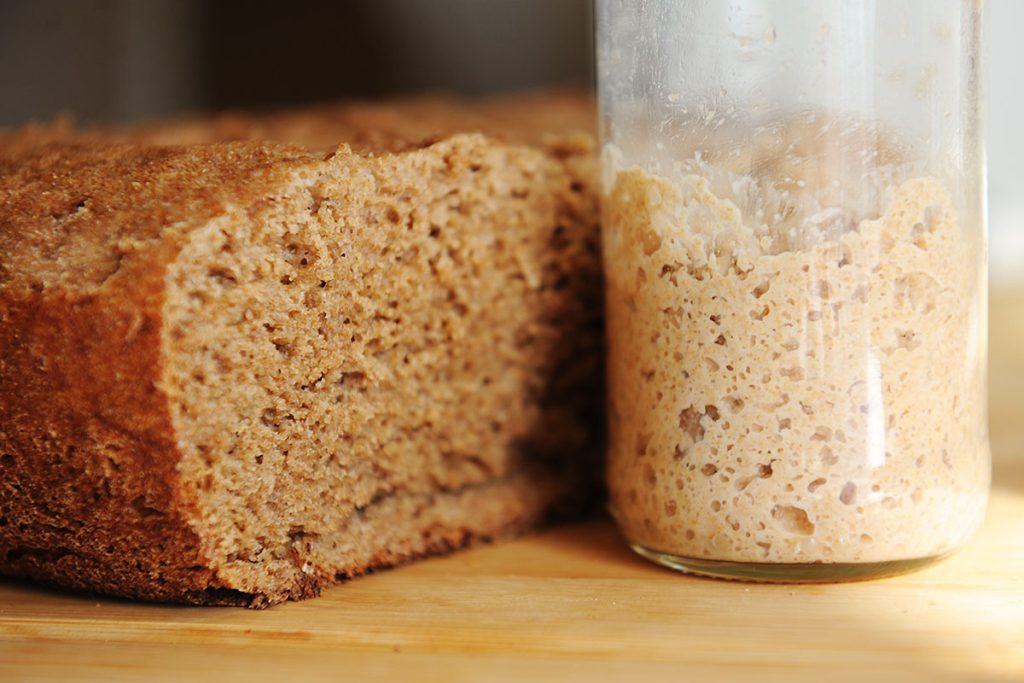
column 794, row 241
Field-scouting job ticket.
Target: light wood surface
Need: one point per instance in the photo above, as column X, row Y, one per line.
column 574, row 604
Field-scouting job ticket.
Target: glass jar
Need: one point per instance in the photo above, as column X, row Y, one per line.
column 795, row 259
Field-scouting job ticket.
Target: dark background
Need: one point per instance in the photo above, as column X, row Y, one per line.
column 120, row 60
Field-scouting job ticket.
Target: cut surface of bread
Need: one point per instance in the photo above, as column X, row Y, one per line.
column 234, row 373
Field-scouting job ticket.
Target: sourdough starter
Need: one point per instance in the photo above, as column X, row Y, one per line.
column 792, row 382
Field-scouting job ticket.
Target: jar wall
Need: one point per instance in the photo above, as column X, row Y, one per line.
column 794, row 251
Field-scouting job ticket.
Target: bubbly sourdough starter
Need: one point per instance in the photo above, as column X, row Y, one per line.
column 801, row 395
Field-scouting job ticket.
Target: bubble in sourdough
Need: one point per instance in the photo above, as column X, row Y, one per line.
column 791, row 403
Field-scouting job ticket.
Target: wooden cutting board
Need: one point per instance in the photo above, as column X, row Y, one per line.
column 574, row 603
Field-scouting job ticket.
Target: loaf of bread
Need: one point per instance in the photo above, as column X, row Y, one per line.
column 239, row 362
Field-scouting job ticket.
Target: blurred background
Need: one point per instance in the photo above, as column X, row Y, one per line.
column 122, row 60
column 125, row 59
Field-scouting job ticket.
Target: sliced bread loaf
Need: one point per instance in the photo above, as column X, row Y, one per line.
column 233, row 373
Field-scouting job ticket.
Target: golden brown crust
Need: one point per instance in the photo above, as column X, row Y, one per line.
column 78, row 213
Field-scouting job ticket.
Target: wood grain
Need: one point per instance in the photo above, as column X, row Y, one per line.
column 574, row 603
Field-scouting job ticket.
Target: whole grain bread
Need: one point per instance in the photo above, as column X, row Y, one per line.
column 234, row 372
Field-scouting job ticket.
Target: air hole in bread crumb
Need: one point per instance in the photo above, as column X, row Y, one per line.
column 351, row 377
column 269, row 418
column 793, row 519
column 283, row 347
column 848, row 494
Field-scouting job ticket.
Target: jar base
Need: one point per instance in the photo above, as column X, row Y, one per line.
column 765, row 572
